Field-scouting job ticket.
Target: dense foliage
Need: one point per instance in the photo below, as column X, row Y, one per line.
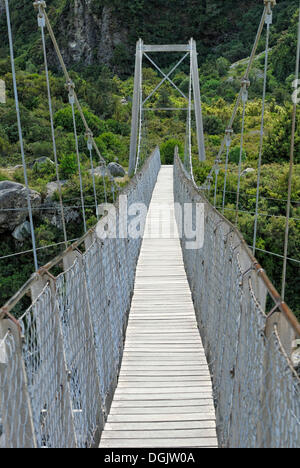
column 224, row 34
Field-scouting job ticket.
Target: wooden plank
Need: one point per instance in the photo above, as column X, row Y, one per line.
column 209, row 415
column 162, row 404
column 163, row 384
column 168, row 326
column 161, row 396
column 164, row 393
column 163, row 361
column 163, row 373
column 176, row 336
column 159, row 434
column 164, row 351
column 140, row 426
column 153, row 379
column 164, row 367
column 161, row 390
column 160, row 443
column 172, row 339
column 162, row 410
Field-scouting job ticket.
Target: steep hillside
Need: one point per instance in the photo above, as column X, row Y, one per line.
column 105, row 31
column 98, row 41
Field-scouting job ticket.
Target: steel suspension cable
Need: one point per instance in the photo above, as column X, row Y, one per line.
column 217, row 171
column 140, row 117
column 21, row 142
column 291, row 166
column 246, row 78
column 72, row 100
column 42, row 6
column 90, row 149
column 190, row 117
column 186, row 143
column 244, row 99
column 41, row 23
column 268, row 23
column 228, row 144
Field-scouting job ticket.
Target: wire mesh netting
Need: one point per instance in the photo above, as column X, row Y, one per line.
column 256, row 389
column 59, row 364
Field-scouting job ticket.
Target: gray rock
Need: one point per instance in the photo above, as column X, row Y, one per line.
column 52, row 213
column 98, row 171
column 22, row 232
column 40, row 161
column 13, row 204
column 52, row 187
column 249, row 170
column 116, row 170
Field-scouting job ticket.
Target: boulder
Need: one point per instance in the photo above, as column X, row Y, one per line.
column 99, row 171
column 116, row 169
column 52, row 187
column 51, row 208
column 22, row 232
column 38, row 162
column 249, row 170
column 52, row 213
column 13, row 204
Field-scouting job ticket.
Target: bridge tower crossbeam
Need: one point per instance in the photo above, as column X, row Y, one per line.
column 138, row 102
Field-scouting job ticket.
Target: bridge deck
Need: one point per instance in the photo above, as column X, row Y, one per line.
column 164, row 392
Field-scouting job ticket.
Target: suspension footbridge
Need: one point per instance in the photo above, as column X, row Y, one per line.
column 164, row 393
column 151, row 340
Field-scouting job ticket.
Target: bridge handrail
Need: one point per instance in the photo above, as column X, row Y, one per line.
column 261, row 273
column 13, row 301
column 60, row 360
column 252, row 354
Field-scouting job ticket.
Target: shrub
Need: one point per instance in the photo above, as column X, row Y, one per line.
column 234, row 155
column 3, row 176
column 222, row 65
column 213, row 125
column 63, row 118
column 167, row 150
column 111, row 146
column 68, row 165
column 46, row 168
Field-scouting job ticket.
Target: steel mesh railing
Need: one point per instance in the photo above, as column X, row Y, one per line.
column 256, row 389
column 59, row 363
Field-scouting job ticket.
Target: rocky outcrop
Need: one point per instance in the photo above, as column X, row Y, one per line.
column 22, row 232
column 53, row 187
column 247, row 171
column 116, row 169
column 37, row 163
column 51, row 208
column 99, row 171
column 13, row 204
column 94, row 34
column 52, row 213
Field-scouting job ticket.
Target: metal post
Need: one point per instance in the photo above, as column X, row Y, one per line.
column 21, row 142
column 17, row 416
column 135, row 107
column 94, row 417
column 291, row 168
column 197, row 102
column 67, row 423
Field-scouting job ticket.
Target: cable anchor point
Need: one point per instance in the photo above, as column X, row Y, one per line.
column 89, row 136
column 70, row 86
column 245, row 83
column 228, row 136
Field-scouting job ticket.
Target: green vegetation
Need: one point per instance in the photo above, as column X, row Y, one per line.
column 105, row 94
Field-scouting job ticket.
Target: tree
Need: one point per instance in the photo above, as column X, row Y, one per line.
column 167, row 150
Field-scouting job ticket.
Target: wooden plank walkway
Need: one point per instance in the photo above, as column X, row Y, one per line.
column 164, row 392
